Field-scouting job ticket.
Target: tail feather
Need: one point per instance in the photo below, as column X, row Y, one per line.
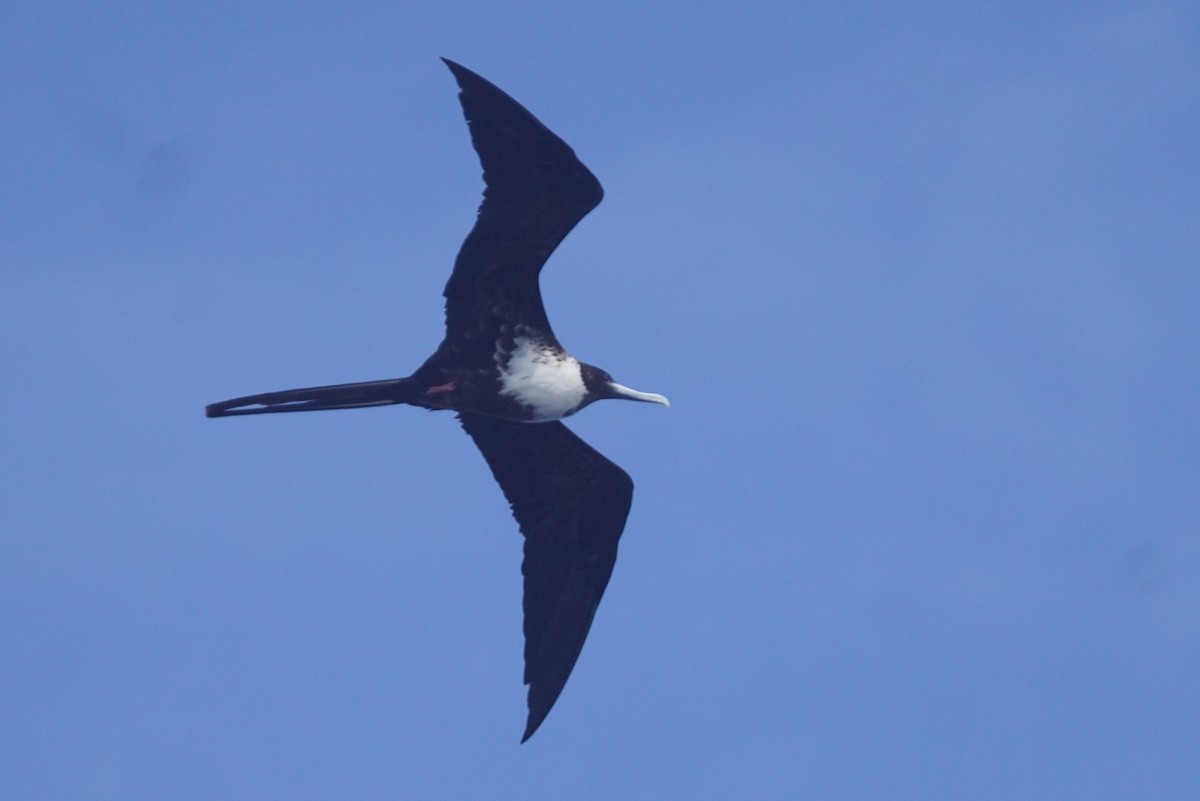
column 309, row 399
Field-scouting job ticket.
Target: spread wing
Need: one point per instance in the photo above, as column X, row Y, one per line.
column 536, row 190
column 571, row 504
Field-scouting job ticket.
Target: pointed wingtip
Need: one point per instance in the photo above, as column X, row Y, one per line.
column 460, row 72
column 539, row 709
column 531, row 725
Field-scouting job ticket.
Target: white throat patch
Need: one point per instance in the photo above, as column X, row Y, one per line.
column 550, row 385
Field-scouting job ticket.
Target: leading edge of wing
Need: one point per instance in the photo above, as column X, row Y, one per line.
column 535, row 191
column 571, row 504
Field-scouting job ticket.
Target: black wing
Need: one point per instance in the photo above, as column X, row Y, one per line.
column 536, row 190
column 571, row 504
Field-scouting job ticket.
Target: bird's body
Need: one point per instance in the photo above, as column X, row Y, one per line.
column 502, row 370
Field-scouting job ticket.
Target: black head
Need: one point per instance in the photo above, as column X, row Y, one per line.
column 600, row 385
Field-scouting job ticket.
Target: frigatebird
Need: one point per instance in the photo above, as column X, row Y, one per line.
column 504, row 373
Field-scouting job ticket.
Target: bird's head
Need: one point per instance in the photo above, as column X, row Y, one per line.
column 600, row 385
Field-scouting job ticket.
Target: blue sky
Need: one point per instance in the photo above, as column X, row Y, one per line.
column 920, row 281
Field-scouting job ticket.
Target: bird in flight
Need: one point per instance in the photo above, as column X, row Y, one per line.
column 503, row 372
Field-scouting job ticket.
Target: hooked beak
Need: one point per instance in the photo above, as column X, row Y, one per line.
column 618, row 391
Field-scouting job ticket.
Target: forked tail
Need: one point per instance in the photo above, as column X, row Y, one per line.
column 311, row 399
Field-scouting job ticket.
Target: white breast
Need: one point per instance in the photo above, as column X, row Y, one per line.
column 549, row 384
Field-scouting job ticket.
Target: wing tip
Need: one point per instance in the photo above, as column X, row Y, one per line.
column 533, row 723
column 461, row 74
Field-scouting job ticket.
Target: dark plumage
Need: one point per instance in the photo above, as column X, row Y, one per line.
column 502, row 370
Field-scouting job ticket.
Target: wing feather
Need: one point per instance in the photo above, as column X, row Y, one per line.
column 571, row 504
column 536, row 191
